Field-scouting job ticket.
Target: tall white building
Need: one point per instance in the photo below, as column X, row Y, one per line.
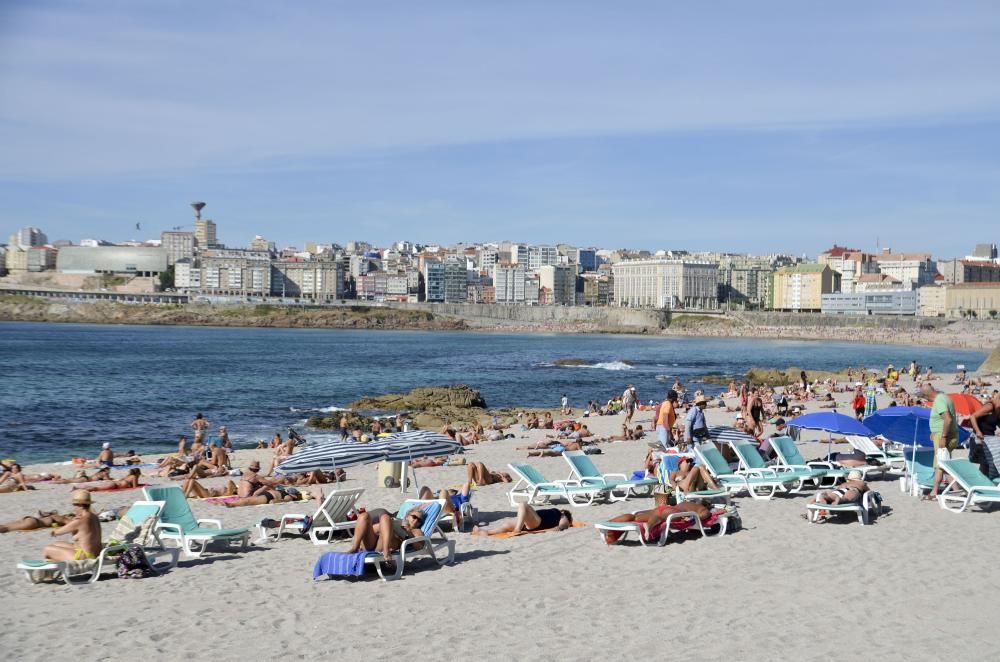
column 539, row 256
column 665, row 283
column 179, row 245
column 913, row 270
column 513, row 284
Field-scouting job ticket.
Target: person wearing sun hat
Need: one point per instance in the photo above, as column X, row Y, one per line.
column 86, row 530
column 695, row 427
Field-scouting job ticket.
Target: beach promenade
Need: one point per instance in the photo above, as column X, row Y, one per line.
column 918, row 584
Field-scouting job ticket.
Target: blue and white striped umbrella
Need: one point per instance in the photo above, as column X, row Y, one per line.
column 331, row 456
column 725, row 434
column 407, row 446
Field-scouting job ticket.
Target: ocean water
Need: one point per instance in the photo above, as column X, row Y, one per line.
column 65, row 388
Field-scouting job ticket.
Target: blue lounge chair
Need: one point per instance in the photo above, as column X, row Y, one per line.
column 965, row 476
column 758, row 483
column 620, row 487
column 532, row 487
column 821, row 473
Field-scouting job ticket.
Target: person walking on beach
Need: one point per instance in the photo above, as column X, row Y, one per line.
column 344, row 434
column 695, row 427
column 666, row 417
column 629, row 403
column 199, row 425
column 944, row 431
column 564, row 405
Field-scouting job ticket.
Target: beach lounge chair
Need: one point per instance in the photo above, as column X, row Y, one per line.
column 825, row 473
column 863, row 509
column 675, row 522
column 965, row 476
column 329, row 517
column 663, row 471
column 751, row 460
column 620, row 487
column 920, row 467
column 429, row 544
column 532, row 487
column 177, row 522
column 759, row 484
column 894, row 460
column 136, row 527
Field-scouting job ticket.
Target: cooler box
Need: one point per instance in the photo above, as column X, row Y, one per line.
column 390, row 473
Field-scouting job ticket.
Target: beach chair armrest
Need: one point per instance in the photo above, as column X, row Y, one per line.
column 212, row 522
column 614, row 477
column 758, row 473
column 169, row 527
column 819, row 464
column 560, row 483
column 288, row 518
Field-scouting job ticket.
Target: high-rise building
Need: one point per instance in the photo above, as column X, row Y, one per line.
column 911, row 269
column 801, row 288
column 179, row 245
column 446, row 281
column 236, row 272
column 851, row 264
column 318, row 280
column 985, row 251
column 969, row 271
column 560, row 280
column 204, row 233
column 666, row 283
column 539, row 256
column 28, row 237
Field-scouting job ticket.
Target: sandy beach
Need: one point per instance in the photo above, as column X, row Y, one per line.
column 917, row 584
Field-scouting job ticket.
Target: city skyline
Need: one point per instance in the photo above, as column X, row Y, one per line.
column 778, row 129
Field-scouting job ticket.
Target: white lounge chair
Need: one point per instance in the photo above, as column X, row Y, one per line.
column 620, row 487
column 532, row 487
column 863, row 509
column 673, row 524
column 822, row 473
column 330, row 516
column 893, row 461
column 759, row 484
column 965, row 476
column 136, row 527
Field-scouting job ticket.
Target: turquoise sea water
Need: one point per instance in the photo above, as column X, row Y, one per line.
column 64, row 388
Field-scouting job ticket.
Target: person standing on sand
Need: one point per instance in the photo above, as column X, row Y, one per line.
column 629, row 401
column 564, row 405
column 199, row 425
column 695, row 427
column 944, row 431
column 665, row 418
column 344, row 434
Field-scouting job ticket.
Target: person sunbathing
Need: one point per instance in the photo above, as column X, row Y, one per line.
column 478, row 473
column 86, row 530
column 556, row 449
column 690, row 477
column 377, row 530
column 44, row 520
column 528, row 519
column 128, row 482
column 14, row 480
column 316, row 477
column 195, row 490
column 453, row 500
column 276, row 494
column 850, row 491
column 656, row 516
column 104, row 473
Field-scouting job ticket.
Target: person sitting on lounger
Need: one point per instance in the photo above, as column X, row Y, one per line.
column 478, row 473
column 32, row 523
column 529, row 519
column 377, row 530
column 195, row 490
column 656, row 516
column 128, row 482
column 850, row 491
column 453, row 500
column 690, row 477
column 86, row 530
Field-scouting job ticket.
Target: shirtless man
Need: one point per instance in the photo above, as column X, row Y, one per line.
column 215, row 465
column 32, row 523
column 129, row 481
column 199, row 425
column 107, row 456
column 850, row 491
column 344, row 433
column 193, row 489
column 86, row 530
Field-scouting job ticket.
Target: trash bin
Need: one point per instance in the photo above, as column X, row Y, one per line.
column 390, row 473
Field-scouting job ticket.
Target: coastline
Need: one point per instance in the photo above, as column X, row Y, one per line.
column 982, row 336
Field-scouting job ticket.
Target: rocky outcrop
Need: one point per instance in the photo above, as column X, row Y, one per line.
column 457, row 396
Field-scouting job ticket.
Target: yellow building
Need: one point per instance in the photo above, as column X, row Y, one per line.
column 982, row 299
column 800, row 288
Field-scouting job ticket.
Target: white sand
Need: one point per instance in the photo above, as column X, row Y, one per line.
column 919, row 584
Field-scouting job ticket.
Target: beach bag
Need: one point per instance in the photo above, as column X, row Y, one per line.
column 133, row 564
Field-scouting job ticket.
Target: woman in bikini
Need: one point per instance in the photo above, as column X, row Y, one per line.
column 478, row 473
column 377, row 530
column 277, row 494
column 128, row 482
column 528, row 519
column 656, row 516
column 104, row 473
column 691, row 478
column 194, row 490
column 42, row 521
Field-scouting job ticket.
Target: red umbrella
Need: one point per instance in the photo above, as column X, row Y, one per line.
column 965, row 404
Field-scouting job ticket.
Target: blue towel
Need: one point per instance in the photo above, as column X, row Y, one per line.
column 669, row 462
column 639, row 475
column 340, row 563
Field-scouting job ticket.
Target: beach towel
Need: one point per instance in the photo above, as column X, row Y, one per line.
column 504, row 536
column 340, row 563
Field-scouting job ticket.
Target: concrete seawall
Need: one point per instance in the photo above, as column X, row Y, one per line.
column 605, row 318
column 901, row 323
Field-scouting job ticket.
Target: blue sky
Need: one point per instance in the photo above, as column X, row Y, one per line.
column 762, row 127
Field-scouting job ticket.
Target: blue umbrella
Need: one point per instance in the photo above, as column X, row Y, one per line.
column 909, row 426
column 830, row 421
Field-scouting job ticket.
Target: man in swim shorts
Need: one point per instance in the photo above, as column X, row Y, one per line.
column 86, row 530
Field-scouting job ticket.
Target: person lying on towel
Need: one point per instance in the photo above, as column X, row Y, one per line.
column 128, row 482
column 528, row 519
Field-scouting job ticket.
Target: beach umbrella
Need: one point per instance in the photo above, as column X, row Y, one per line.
column 909, row 426
column 330, row 457
column 965, row 404
column 830, row 422
column 414, row 444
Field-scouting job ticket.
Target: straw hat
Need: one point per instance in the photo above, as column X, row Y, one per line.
column 81, row 498
column 855, row 475
column 700, row 400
